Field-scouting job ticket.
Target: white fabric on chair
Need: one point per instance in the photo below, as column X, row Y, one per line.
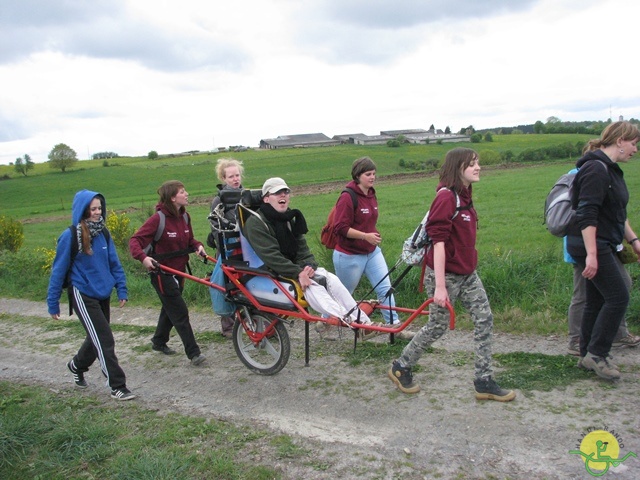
column 335, row 300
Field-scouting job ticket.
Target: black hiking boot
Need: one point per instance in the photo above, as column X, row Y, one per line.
column 403, row 378
column 488, row 389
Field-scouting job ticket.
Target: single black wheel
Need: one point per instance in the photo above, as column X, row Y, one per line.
column 272, row 353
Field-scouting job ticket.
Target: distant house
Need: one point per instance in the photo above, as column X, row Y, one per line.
column 299, row 141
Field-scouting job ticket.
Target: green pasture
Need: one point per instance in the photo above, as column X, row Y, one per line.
column 520, row 262
column 132, row 182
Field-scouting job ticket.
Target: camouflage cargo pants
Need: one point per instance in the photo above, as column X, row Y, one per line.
column 467, row 289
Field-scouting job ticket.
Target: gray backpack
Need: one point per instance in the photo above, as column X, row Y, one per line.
column 559, row 214
column 150, row 250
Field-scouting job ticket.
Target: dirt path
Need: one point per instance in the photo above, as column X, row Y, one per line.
column 352, row 421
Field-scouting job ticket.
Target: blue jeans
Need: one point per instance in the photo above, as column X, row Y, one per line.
column 607, row 301
column 349, row 269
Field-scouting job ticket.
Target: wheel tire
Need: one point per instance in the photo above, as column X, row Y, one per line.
column 271, row 354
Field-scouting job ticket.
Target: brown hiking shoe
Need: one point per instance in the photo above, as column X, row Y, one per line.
column 488, row 389
column 369, row 334
column 226, row 325
column 628, row 341
column 574, row 348
column 403, row 378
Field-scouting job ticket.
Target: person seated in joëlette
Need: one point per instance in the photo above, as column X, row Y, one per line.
column 277, row 234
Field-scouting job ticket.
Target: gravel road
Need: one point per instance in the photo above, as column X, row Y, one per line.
column 351, row 419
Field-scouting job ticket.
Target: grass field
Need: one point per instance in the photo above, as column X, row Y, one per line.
column 520, row 262
column 51, row 433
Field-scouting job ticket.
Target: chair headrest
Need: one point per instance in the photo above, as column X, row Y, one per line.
column 230, row 197
column 251, row 198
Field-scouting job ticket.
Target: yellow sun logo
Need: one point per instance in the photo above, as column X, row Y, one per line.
column 600, row 451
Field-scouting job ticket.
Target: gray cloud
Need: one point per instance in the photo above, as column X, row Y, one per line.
column 101, row 29
column 376, row 31
column 407, row 13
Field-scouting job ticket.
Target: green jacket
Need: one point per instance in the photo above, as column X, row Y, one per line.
column 262, row 237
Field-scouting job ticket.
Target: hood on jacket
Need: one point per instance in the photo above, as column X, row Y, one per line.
column 81, row 201
column 594, row 155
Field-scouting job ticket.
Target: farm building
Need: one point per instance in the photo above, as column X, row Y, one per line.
column 321, row 140
column 299, row 141
column 362, row 139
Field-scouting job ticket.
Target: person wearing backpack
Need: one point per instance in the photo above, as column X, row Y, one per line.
column 600, row 198
column 451, row 275
column 357, row 251
column 87, row 261
column 229, row 172
column 172, row 249
column 624, row 338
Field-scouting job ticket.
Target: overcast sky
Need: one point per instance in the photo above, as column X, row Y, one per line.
column 131, row 76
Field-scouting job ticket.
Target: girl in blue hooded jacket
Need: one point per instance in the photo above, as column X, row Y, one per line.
column 87, row 257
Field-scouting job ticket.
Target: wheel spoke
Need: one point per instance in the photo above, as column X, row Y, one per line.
column 269, row 348
column 271, row 354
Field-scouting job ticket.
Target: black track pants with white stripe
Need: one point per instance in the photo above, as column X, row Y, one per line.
column 99, row 343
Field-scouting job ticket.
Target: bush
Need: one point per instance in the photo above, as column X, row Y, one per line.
column 11, row 234
column 430, row 164
column 48, row 255
column 490, row 157
column 152, row 155
column 24, row 274
column 560, row 151
column 532, row 155
column 507, row 156
column 476, row 138
column 393, row 143
column 120, row 228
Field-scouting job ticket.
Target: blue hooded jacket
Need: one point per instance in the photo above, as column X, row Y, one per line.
column 93, row 275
